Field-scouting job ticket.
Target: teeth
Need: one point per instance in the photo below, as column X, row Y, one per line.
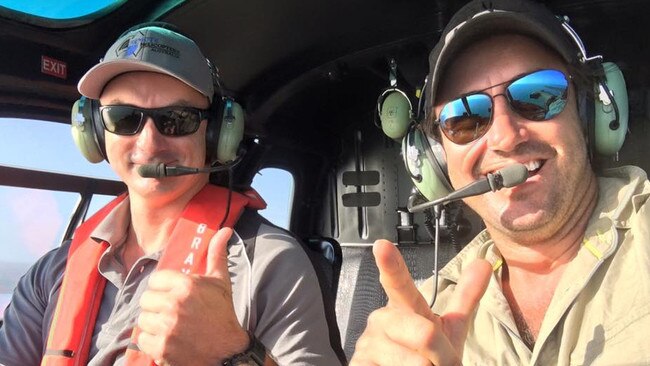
column 533, row 165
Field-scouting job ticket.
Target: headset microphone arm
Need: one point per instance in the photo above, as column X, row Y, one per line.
column 507, row 177
column 162, row 170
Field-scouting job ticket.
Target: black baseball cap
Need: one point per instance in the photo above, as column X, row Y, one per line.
column 479, row 18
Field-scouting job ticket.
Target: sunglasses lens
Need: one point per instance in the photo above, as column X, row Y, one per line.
column 467, row 118
column 174, row 121
column 177, row 121
column 539, row 96
column 121, row 120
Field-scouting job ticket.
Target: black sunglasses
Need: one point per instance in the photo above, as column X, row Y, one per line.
column 537, row 96
column 170, row 121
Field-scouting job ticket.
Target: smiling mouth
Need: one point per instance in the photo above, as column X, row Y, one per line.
column 534, row 166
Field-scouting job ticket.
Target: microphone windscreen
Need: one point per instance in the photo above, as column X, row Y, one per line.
column 152, row 170
column 514, row 174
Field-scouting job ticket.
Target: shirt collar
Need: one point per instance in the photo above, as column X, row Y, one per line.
column 114, row 228
column 621, row 192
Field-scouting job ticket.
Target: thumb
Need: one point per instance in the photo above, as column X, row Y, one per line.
column 396, row 279
column 217, row 261
column 463, row 302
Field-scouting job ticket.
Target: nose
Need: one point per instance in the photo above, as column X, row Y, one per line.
column 149, row 139
column 508, row 129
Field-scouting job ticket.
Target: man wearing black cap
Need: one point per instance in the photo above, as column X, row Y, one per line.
column 159, row 275
column 561, row 275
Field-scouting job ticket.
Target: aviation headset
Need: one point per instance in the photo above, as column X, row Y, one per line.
column 394, row 107
column 224, row 133
column 424, row 156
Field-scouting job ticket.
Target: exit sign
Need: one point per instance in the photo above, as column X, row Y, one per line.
column 54, row 67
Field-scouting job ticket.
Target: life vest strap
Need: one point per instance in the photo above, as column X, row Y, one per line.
column 82, row 288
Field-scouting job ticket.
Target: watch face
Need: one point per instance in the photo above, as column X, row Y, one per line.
column 243, row 360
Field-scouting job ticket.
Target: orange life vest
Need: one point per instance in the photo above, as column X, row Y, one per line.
column 81, row 292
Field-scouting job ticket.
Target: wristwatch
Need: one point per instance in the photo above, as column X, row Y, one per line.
column 254, row 355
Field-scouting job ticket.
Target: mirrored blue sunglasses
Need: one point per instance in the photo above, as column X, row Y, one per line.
column 538, row 96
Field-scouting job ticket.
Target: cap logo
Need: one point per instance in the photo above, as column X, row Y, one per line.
column 134, row 46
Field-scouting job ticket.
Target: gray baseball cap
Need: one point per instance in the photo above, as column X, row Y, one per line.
column 480, row 18
column 154, row 49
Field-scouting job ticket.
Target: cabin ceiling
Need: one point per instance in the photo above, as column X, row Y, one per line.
column 292, row 63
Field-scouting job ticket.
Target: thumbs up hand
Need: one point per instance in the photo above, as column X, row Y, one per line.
column 406, row 331
column 190, row 319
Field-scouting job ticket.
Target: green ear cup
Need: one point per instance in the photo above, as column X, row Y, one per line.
column 83, row 131
column 611, row 116
column 395, row 114
column 232, row 132
column 424, row 160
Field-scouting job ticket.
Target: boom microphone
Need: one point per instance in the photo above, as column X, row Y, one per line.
column 162, row 170
column 507, row 177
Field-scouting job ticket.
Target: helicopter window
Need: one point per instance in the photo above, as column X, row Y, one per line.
column 33, row 220
column 69, row 9
column 276, row 188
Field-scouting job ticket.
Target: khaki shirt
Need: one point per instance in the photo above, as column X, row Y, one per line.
column 600, row 311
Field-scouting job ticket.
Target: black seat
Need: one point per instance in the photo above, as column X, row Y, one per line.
column 329, row 249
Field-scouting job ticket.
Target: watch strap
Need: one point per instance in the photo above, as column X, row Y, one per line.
column 254, row 355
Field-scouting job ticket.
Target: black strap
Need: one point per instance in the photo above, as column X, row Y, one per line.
column 63, row 353
column 247, row 227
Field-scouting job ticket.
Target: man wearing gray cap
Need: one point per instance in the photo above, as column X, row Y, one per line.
column 176, row 271
column 561, row 275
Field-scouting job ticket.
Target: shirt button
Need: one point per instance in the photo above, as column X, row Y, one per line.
column 127, row 298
